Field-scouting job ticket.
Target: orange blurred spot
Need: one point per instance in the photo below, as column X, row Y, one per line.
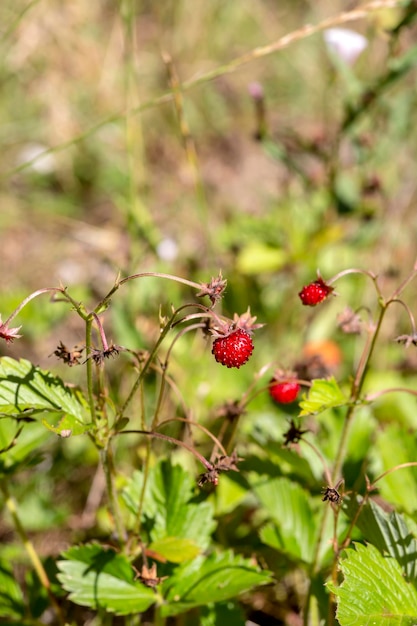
column 328, row 351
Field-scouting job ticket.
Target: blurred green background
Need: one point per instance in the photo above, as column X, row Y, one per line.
column 131, row 142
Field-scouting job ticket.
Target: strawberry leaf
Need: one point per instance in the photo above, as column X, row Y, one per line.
column 102, row 579
column 322, row 395
column 179, row 530
column 374, row 590
column 212, row 579
column 388, row 532
column 293, row 528
column 26, row 389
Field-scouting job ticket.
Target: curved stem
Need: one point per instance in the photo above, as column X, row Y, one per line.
column 321, row 457
column 172, row 440
column 197, row 425
column 33, row 295
column 407, row 308
column 394, row 469
column 404, row 284
column 352, row 270
column 145, row 368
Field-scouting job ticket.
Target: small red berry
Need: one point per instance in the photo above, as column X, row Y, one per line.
column 284, row 392
column 233, row 350
column 315, row 292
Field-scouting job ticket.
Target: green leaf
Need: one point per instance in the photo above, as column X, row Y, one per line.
column 11, row 597
column 166, row 503
column 293, row 529
column 175, row 550
column 212, row 579
column 392, row 447
column 26, row 445
column 27, row 389
column 100, row 578
column 388, row 532
column 373, row 591
column 322, row 395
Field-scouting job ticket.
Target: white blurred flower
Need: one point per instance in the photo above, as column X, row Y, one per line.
column 167, row 249
column 345, row 44
column 45, row 164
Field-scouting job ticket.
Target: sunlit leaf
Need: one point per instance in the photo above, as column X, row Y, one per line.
column 388, row 532
column 374, row 590
column 25, row 388
column 174, row 549
column 293, row 526
column 322, row 395
column 102, row 579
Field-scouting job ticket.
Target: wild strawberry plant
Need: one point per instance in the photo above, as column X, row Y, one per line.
column 316, row 492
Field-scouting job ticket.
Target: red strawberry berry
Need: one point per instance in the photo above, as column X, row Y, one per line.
column 284, row 392
column 315, row 292
column 233, row 350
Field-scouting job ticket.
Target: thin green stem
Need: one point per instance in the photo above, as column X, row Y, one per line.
column 138, row 523
column 30, row 549
column 357, row 386
column 106, row 456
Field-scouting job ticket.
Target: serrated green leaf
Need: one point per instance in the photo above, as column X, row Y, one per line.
column 26, row 388
column 388, row 532
column 373, row 590
column 166, row 503
column 11, row 597
column 294, row 526
column 322, row 395
column 175, row 550
column 210, row 579
column 101, row 578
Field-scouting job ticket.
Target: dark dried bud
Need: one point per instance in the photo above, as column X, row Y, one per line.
column 293, row 434
column 214, row 289
column 349, row 322
column 407, row 340
column 69, row 357
column 148, row 576
column 332, row 495
column 98, row 356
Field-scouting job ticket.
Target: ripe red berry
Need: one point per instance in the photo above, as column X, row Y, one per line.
column 315, row 292
column 284, row 392
column 233, row 350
